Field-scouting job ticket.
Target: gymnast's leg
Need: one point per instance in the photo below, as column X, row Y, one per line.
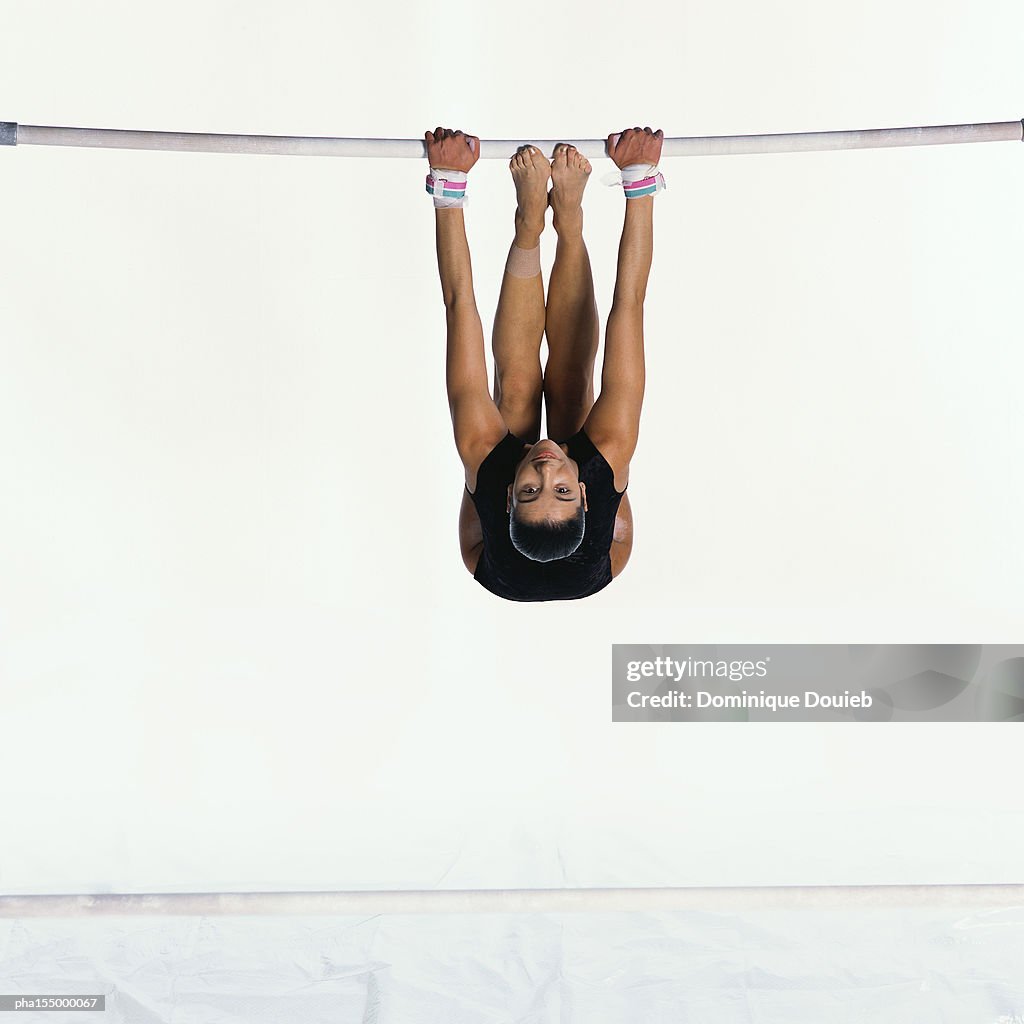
column 519, row 319
column 571, row 322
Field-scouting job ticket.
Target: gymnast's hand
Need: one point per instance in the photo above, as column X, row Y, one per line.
column 635, row 146
column 452, row 149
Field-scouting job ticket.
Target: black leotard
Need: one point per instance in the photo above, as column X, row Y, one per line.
column 505, row 571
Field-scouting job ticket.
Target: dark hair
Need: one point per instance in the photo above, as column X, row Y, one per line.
column 548, row 540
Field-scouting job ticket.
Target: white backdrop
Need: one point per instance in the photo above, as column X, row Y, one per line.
column 237, row 644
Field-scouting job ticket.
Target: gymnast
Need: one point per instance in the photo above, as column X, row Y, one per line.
column 545, row 519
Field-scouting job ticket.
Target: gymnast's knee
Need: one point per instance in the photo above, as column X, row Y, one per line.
column 567, row 389
column 519, row 389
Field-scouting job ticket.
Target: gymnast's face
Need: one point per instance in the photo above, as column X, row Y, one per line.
column 547, row 485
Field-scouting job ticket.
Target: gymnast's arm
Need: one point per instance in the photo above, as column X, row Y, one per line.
column 614, row 421
column 477, row 423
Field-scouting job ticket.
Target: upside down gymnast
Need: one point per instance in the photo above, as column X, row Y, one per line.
column 545, row 519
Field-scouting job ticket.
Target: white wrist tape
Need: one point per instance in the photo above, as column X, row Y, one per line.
column 448, row 187
column 637, row 180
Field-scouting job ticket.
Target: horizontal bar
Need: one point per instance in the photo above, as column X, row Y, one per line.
column 515, row 901
column 713, row 145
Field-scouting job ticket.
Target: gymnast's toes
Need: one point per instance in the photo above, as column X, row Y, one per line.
column 530, row 172
column 570, row 171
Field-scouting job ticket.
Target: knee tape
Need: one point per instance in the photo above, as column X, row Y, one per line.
column 523, row 262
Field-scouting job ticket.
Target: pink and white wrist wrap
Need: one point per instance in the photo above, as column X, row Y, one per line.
column 448, row 187
column 637, row 180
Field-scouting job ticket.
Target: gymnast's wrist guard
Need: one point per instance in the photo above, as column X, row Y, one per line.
column 448, row 187
column 637, row 180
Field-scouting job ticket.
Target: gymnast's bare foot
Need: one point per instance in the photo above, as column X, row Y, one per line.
column 530, row 171
column 570, row 170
